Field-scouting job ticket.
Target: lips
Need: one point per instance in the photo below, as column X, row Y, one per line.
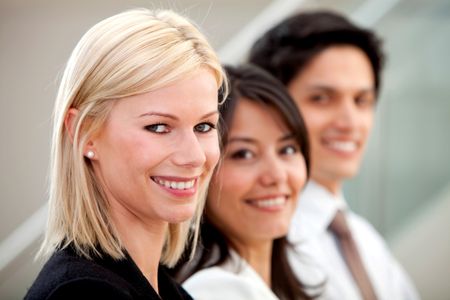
column 343, row 146
column 272, row 202
column 347, row 146
column 175, row 184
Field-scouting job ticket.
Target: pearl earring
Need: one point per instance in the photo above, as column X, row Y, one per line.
column 90, row 154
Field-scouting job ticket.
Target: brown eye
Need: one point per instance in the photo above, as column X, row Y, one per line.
column 364, row 101
column 319, row 98
column 289, row 150
column 242, row 154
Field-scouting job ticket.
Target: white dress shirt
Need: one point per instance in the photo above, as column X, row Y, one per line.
column 234, row 280
column 317, row 256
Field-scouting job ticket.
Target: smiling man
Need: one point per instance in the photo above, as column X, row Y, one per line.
column 332, row 69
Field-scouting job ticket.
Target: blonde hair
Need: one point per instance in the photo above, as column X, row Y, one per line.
column 133, row 52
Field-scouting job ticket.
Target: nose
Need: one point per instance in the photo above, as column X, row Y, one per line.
column 189, row 151
column 273, row 171
column 347, row 114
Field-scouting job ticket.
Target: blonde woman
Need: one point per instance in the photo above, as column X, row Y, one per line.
column 134, row 146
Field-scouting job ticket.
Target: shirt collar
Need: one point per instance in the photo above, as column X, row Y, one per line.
column 315, row 211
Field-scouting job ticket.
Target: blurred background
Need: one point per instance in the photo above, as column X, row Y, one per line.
column 404, row 184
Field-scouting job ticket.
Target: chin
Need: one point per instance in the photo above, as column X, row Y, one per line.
column 278, row 232
column 349, row 172
column 345, row 169
column 178, row 216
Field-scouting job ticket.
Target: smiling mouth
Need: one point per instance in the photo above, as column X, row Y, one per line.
column 342, row 146
column 274, row 202
column 175, row 185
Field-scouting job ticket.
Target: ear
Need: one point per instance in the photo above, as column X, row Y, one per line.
column 70, row 125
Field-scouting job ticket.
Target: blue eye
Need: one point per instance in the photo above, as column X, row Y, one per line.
column 242, row 154
column 204, row 127
column 157, row 128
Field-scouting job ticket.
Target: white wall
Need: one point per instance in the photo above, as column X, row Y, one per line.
column 425, row 250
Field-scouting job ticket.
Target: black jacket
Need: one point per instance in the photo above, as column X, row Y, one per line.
column 67, row 275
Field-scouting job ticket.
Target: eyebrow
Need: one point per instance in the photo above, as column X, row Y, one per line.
column 173, row 117
column 249, row 140
column 286, row 137
column 333, row 90
column 241, row 139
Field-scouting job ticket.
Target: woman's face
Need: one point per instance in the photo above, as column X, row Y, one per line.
column 253, row 193
column 158, row 149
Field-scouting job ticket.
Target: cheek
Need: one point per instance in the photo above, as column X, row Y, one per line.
column 368, row 121
column 227, row 181
column 297, row 175
column 142, row 151
column 117, row 148
column 314, row 120
column 219, row 205
column 229, row 186
column 366, row 125
column 212, row 151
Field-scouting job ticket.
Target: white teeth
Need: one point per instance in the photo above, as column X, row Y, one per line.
column 176, row 185
column 343, row 146
column 279, row 201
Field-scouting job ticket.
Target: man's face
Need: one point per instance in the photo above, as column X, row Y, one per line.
column 336, row 95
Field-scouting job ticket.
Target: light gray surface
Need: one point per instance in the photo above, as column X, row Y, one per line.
column 408, row 160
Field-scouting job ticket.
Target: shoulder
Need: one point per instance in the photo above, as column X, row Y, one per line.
column 212, row 275
column 82, row 288
column 169, row 288
column 220, row 284
column 67, row 274
column 388, row 272
column 371, row 244
column 362, row 228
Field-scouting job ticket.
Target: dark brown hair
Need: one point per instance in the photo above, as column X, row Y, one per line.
column 252, row 84
column 288, row 47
